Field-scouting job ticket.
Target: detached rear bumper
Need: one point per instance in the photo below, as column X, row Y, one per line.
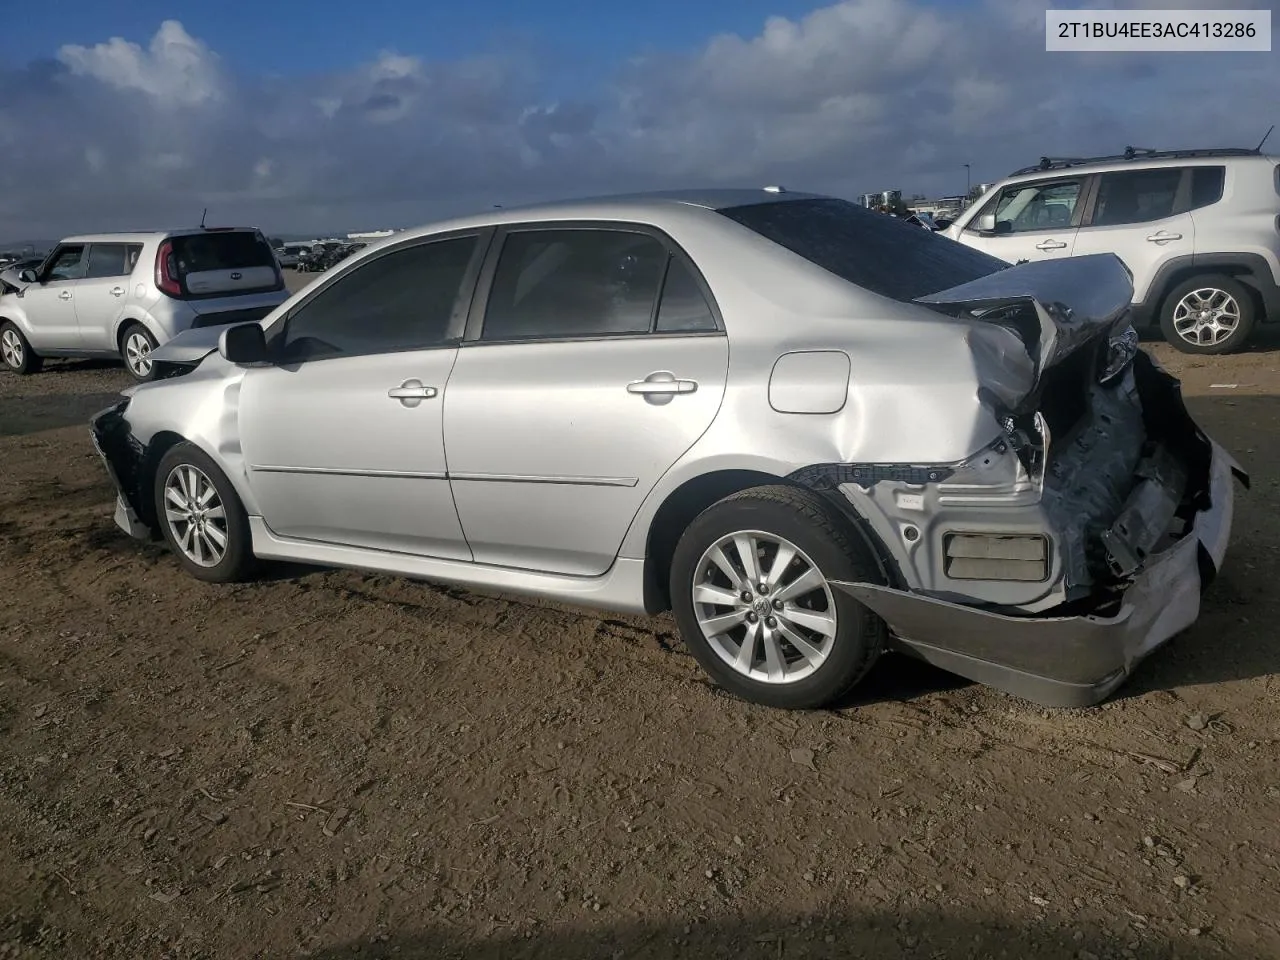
column 1070, row 661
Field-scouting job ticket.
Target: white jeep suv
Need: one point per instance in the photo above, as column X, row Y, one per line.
column 123, row 294
column 1199, row 229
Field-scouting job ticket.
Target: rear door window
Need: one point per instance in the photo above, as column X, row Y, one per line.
column 1136, row 196
column 878, row 253
column 570, row 283
column 109, row 260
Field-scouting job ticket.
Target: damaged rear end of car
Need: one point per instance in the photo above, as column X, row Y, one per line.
column 1053, row 560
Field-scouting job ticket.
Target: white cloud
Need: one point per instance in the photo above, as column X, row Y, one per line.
column 175, row 69
column 857, row 95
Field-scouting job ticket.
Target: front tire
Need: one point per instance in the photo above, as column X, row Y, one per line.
column 201, row 517
column 751, row 590
column 136, row 344
column 16, row 352
column 1210, row 314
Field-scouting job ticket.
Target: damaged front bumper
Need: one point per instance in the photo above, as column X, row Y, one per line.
column 123, row 457
column 1070, row 661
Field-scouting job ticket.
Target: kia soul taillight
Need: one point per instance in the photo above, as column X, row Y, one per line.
column 167, row 271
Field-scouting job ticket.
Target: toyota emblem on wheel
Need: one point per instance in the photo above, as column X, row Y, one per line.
column 236, row 276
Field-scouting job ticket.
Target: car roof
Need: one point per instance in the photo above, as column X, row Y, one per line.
column 144, row 236
column 1066, row 170
column 645, row 208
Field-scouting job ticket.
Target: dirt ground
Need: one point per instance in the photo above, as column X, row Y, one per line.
column 331, row 764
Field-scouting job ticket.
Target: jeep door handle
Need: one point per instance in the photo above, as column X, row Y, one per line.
column 1050, row 245
column 117, row 291
column 411, row 393
column 1163, row 237
column 65, row 295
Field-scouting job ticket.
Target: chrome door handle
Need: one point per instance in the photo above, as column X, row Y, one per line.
column 65, row 295
column 1050, row 245
column 411, row 393
column 661, row 386
column 117, row 291
column 1163, row 237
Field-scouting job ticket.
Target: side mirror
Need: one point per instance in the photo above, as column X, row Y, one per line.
column 987, row 223
column 27, row 276
column 243, row 343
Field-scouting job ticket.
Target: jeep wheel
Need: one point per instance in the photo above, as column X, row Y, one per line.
column 751, row 589
column 16, row 352
column 1211, row 314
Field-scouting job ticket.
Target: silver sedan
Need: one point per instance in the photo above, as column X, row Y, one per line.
column 813, row 432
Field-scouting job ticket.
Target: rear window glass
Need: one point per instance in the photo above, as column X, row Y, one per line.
column 235, row 250
column 873, row 250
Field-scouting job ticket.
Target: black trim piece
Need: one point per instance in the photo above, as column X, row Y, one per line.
column 475, row 319
column 123, row 456
column 828, row 476
column 228, row 317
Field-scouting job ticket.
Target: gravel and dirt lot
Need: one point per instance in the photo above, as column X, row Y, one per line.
column 332, row 764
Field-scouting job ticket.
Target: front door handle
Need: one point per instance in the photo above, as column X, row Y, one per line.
column 1050, row 245
column 411, row 393
column 117, row 291
column 65, row 295
column 1163, row 237
column 660, row 386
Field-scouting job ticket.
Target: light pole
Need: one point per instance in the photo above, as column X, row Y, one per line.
column 968, row 182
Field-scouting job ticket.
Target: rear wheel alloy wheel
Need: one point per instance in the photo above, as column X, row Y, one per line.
column 15, row 352
column 201, row 517
column 1208, row 315
column 135, row 349
column 751, row 589
column 764, row 607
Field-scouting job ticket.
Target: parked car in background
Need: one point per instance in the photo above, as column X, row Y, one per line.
column 1199, row 229
column 289, row 254
column 813, row 432
column 123, row 294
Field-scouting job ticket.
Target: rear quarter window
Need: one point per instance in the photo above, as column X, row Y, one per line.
column 875, row 251
column 1206, row 185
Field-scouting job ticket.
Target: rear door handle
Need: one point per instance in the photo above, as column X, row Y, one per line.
column 117, row 291
column 411, row 393
column 1164, row 237
column 661, row 386
column 65, row 295
column 1050, row 245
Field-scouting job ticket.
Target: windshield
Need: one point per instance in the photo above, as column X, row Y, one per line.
column 882, row 254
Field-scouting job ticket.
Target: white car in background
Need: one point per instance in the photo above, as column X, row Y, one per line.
column 1199, row 230
column 123, row 294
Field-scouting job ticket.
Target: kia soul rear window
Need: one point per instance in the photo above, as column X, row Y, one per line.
column 239, row 250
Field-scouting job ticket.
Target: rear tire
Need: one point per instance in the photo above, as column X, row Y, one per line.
column 16, row 352
column 809, row 642
column 201, row 516
column 1209, row 314
column 136, row 344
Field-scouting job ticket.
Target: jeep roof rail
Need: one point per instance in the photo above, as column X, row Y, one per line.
column 1135, row 153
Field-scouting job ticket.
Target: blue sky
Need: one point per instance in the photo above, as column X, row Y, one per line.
column 318, row 114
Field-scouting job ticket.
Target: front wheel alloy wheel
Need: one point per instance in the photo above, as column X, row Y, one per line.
column 201, row 517
column 15, row 352
column 764, row 607
column 195, row 514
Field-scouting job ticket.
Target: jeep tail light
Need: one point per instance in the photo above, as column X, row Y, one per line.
column 167, row 271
